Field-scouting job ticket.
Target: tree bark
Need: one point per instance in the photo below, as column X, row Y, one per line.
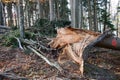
column 90, row 15
column 21, row 18
column 80, row 14
column 95, row 16
column 110, row 42
column 51, row 10
column 1, row 15
column 105, row 16
column 75, row 13
column 10, row 16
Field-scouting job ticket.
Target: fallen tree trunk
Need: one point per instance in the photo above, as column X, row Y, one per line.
column 74, row 41
column 109, row 42
column 4, row 27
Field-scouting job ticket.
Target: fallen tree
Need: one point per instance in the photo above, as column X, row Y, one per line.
column 74, row 42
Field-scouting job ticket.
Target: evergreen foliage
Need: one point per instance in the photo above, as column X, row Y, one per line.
column 47, row 28
column 9, row 39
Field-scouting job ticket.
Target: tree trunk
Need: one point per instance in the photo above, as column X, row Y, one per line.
column 90, row 15
column 1, row 15
column 39, row 9
column 51, row 10
column 75, row 13
column 80, row 14
column 105, row 17
column 95, row 16
column 110, row 42
column 21, row 18
column 10, row 16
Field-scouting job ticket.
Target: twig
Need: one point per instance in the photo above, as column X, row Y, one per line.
column 55, row 64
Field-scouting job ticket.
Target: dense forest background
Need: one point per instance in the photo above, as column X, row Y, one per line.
column 50, row 14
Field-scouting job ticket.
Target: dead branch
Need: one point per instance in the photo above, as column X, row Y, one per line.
column 19, row 42
column 4, row 27
column 31, row 42
column 10, row 76
column 28, row 42
column 55, row 64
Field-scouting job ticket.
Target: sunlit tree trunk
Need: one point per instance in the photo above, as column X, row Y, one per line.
column 21, row 18
column 15, row 14
column 10, row 16
column 74, row 12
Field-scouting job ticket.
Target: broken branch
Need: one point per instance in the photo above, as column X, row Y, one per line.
column 55, row 64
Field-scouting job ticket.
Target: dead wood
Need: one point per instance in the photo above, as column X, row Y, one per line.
column 11, row 76
column 19, row 42
column 75, row 42
column 33, row 43
column 51, row 63
column 100, row 38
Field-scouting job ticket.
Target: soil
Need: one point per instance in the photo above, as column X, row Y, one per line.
column 102, row 64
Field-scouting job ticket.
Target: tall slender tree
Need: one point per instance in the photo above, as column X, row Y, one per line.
column 90, row 14
column 1, row 14
column 80, row 14
column 21, row 18
column 95, row 16
column 51, row 6
column 74, row 13
column 10, row 14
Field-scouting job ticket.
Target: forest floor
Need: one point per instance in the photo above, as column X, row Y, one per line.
column 103, row 64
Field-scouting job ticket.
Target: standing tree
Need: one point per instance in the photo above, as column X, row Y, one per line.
column 21, row 18
column 95, row 16
column 80, row 13
column 74, row 13
column 1, row 14
column 51, row 6
column 10, row 16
